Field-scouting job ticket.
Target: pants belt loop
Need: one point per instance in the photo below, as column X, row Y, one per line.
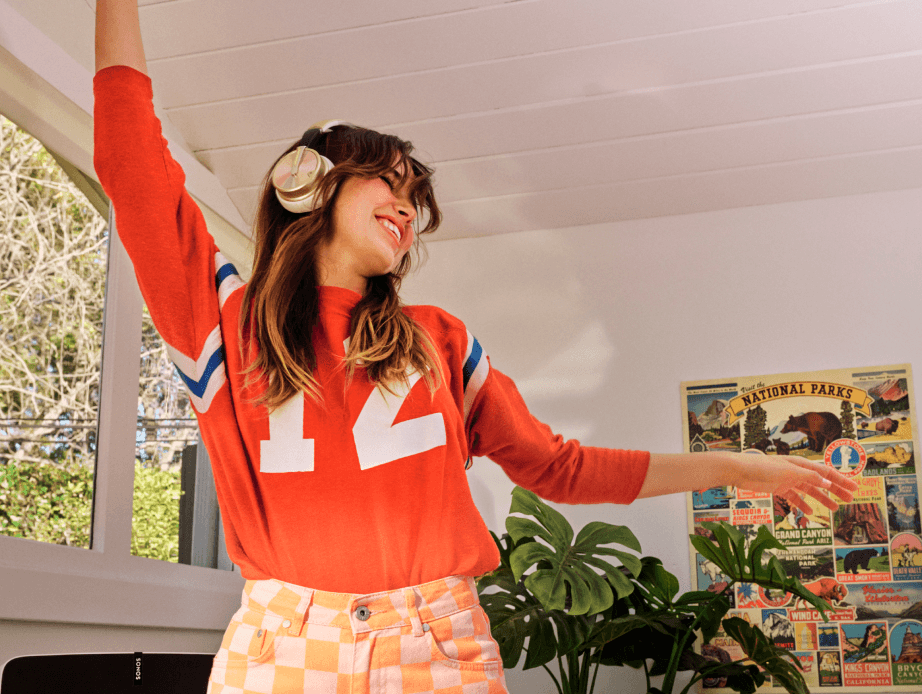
column 417, row 625
column 301, row 613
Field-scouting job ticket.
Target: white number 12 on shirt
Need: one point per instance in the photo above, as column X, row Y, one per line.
column 377, row 439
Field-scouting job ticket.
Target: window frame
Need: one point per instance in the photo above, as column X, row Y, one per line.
column 106, row 584
column 46, row 92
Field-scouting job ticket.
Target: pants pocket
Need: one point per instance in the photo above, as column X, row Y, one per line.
column 245, row 644
column 463, row 640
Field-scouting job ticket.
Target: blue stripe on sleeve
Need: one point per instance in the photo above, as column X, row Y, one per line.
column 473, row 360
column 224, row 272
column 199, row 387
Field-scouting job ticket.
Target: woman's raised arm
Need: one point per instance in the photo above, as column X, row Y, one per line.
column 118, row 35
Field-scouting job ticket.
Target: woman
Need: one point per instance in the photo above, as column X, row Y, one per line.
column 339, row 421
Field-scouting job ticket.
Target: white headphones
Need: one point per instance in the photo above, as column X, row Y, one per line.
column 297, row 175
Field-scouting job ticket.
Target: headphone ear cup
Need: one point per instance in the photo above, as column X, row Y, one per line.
column 300, row 206
column 296, row 177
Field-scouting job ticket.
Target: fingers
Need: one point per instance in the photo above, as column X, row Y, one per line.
column 796, row 477
column 795, row 496
column 843, row 493
column 824, row 498
column 812, row 479
column 840, row 490
column 795, row 500
column 826, row 477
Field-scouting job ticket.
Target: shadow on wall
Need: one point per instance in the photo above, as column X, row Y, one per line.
column 535, row 320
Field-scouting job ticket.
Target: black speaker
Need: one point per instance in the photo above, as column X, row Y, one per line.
column 108, row 673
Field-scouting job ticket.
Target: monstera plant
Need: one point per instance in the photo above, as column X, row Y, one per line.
column 560, row 599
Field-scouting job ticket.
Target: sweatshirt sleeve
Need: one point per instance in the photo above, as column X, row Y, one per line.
column 501, row 428
column 182, row 276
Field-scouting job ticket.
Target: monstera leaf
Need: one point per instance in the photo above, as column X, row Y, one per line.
column 565, row 578
column 556, row 607
column 516, row 615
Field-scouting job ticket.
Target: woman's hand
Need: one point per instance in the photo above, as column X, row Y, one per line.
column 788, row 476
column 791, row 477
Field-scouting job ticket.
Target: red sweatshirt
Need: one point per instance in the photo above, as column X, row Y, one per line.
column 363, row 493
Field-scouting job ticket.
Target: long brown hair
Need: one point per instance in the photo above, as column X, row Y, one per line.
column 281, row 303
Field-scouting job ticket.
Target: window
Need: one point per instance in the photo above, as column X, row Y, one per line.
column 166, row 428
column 53, row 258
column 175, row 516
column 99, row 581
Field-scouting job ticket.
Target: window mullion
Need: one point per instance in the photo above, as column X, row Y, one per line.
column 121, row 368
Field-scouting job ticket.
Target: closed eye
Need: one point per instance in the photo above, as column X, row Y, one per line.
column 390, row 183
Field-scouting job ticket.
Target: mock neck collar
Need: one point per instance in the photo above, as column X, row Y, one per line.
column 338, row 299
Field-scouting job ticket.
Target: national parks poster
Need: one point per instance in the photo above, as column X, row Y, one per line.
column 865, row 559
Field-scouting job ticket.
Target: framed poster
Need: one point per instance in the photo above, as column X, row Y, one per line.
column 865, row 559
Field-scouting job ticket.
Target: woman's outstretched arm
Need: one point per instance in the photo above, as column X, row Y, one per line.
column 784, row 475
column 118, row 35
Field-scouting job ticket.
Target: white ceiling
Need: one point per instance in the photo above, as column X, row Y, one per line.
column 547, row 113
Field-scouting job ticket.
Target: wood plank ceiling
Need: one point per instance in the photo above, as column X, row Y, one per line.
column 549, row 113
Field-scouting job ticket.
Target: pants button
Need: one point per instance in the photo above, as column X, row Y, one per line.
column 363, row 613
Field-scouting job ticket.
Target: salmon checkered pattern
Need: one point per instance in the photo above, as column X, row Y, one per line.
column 428, row 639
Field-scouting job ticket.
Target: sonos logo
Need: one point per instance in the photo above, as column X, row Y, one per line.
column 137, row 669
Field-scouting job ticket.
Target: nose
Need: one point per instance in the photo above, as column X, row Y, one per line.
column 406, row 211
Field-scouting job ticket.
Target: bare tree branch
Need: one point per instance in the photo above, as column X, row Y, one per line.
column 53, row 247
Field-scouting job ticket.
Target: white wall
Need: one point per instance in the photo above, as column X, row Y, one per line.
column 599, row 325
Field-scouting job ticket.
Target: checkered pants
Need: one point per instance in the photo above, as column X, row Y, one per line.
column 428, row 639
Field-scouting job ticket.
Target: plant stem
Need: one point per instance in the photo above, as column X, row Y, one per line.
column 595, row 673
column 573, row 663
column 679, row 648
column 691, row 682
column 563, row 676
column 556, row 683
column 739, row 559
column 646, row 672
column 673, row 667
column 584, row 672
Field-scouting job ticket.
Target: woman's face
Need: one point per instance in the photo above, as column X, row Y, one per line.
column 372, row 231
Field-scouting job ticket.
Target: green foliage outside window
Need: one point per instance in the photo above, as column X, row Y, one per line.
column 48, row 503
column 155, row 522
column 53, row 503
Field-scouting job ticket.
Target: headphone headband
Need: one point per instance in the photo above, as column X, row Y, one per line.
column 313, row 134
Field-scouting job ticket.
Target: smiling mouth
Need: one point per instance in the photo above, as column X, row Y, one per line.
column 391, row 227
